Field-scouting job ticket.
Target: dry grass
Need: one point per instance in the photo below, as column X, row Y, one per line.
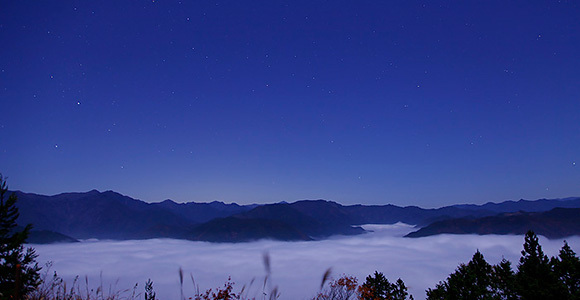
column 53, row 287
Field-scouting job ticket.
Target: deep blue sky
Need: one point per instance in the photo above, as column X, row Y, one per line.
column 375, row 102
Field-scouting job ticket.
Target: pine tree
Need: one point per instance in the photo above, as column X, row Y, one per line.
column 535, row 278
column 19, row 273
column 503, row 281
column 567, row 270
column 474, row 280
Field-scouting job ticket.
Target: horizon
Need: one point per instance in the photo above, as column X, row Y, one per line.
column 298, row 200
column 408, row 103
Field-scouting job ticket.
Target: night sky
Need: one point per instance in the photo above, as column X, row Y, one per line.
column 374, row 102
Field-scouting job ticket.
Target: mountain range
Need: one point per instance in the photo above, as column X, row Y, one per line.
column 555, row 223
column 110, row 215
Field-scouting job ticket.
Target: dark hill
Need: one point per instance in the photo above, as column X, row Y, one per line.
column 48, row 237
column 556, row 223
column 524, row 205
column 312, row 223
column 283, row 212
column 110, row 215
column 390, row 214
column 106, row 215
column 332, row 218
column 239, row 229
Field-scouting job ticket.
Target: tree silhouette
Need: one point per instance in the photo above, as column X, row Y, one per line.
column 535, row 278
column 471, row 281
column 378, row 287
column 19, row 273
column 567, row 271
column 503, row 281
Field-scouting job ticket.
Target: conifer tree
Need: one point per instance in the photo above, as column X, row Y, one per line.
column 19, row 273
column 503, row 281
column 535, row 278
column 478, row 280
column 567, row 270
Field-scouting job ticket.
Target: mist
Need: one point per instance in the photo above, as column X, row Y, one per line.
column 296, row 267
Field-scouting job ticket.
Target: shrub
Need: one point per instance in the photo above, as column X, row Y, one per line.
column 378, row 287
column 343, row 288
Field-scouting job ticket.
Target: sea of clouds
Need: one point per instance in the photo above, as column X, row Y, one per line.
column 296, row 267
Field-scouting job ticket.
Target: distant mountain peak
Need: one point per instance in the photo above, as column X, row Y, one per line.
column 109, row 192
column 169, row 201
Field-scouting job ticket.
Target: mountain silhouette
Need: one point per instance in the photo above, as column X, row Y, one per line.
column 110, row 215
column 556, row 223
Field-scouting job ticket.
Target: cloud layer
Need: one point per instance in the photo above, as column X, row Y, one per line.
column 296, row 267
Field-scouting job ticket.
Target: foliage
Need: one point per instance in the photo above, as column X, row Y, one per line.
column 225, row 293
column 503, row 281
column 343, row 288
column 471, row 281
column 378, row 287
column 537, row 277
column 19, row 273
column 567, row 270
